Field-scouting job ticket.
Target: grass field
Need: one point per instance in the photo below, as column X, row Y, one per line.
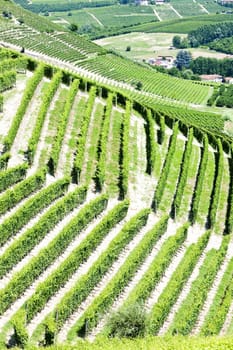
column 150, row 45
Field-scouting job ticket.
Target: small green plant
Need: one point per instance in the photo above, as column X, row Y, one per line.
column 128, row 322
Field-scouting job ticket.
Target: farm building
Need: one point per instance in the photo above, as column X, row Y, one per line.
column 212, row 77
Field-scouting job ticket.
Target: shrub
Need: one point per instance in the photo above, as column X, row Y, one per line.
column 128, row 322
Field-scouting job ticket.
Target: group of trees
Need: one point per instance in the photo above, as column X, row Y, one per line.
column 208, row 33
column 207, row 65
column 217, row 36
column 223, row 45
column 180, row 43
column 225, row 97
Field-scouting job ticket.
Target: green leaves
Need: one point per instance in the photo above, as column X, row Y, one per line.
column 56, row 147
column 86, row 283
column 78, row 256
column 102, row 147
column 78, row 163
column 165, row 171
column 20, row 191
column 11, row 176
column 33, row 206
column 27, row 96
column 199, row 180
column 46, row 100
column 124, row 152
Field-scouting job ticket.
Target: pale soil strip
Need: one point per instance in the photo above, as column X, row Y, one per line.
column 107, row 277
column 25, row 128
column 142, row 190
column 95, row 18
column 65, row 149
column 157, row 15
column 171, row 230
column 203, row 8
column 88, row 143
column 212, row 291
column 83, row 267
column 110, row 141
column 11, row 104
column 43, row 244
column 214, row 242
column 44, row 133
column 178, row 14
column 166, row 278
column 228, row 321
column 30, row 291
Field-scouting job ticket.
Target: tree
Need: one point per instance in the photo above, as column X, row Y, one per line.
column 183, row 59
column 139, row 85
column 184, row 43
column 176, row 41
column 128, row 48
column 73, row 27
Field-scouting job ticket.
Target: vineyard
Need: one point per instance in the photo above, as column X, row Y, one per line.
column 112, row 195
column 105, row 204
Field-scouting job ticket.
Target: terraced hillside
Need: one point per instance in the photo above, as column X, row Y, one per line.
column 106, row 203
column 75, row 53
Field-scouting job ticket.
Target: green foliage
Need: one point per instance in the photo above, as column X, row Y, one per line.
column 31, row 208
column 223, row 45
column 128, row 322
column 171, row 293
column 183, row 59
column 100, row 306
column 229, row 215
column 50, row 331
column 219, row 308
column 158, row 266
column 124, row 152
column 46, row 100
column 214, row 201
column 27, row 96
column 7, row 80
column 78, row 162
column 161, row 131
column 100, row 174
column 24, row 278
column 150, row 141
column 4, row 160
column 207, row 33
column 183, row 175
column 20, row 191
column 57, row 279
column 165, row 171
column 86, row 283
column 24, row 244
column 11, row 176
column 20, row 333
column 57, row 142
column 199, row 181
column 187, row 315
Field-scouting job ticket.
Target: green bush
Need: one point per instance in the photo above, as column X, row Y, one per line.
column 128, row 322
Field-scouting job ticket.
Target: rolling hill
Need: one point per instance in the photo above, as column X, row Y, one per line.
column 109, row 196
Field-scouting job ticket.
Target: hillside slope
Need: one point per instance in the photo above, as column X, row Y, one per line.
column 106, row 203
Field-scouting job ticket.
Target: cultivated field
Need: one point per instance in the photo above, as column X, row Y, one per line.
column 111, row 194
column 132, row 208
